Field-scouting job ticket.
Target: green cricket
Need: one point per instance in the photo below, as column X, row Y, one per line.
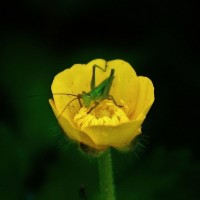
column 97, row 93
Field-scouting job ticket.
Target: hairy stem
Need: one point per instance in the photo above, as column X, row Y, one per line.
column 106, row 176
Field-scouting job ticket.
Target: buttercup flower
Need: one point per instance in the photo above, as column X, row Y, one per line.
column 108, row 124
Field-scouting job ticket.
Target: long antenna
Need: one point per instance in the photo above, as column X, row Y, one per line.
column 65, row 94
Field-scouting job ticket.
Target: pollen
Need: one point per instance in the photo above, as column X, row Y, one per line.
column 105, row 113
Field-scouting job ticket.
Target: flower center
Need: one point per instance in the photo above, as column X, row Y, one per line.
column 106, row 113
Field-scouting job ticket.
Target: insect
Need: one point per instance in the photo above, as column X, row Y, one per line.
column 97, row 93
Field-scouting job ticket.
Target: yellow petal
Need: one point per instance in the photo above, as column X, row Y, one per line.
column 74, row 133
column 74, row 81
column 145, row 98
column 125, row 84
column 115, row 136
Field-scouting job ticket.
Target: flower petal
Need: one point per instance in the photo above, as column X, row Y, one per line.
column 115, row 136
column 78, row 75
column 145, row 98
column 73, row 81
column 125, row 84
column 74, row 133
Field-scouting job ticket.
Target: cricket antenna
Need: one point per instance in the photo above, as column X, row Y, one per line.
column 61, row 93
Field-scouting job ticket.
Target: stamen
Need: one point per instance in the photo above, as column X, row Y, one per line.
column 106, row 113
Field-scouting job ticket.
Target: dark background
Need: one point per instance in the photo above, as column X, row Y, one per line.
column 41, row 38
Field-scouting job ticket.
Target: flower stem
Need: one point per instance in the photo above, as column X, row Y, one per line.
column 106, row 176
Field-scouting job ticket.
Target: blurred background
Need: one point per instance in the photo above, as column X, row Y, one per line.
column 38, row 39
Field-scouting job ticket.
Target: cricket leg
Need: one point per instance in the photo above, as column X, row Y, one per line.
column 79, row 101
column 110, row 97
column 96, row 104
column 92, row 83
column 66, row 107
column 104, row 70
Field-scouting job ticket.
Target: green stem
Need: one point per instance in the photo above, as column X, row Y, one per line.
column 106, row 176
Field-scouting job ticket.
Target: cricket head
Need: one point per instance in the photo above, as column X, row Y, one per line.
column 86, row 99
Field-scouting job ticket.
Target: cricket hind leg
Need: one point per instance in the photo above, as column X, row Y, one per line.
column 110, row 97
column 97, row 66
column 92, row 84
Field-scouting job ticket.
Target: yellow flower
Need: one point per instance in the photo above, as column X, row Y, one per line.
column 107, row 125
